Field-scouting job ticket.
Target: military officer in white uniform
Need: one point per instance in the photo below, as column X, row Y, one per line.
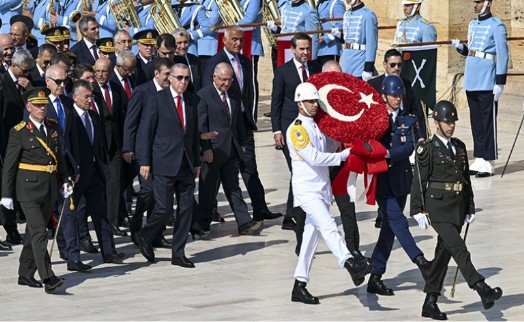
column 312, row 192
column 414, row 28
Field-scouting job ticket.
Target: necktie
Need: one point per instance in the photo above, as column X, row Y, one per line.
column 95, row 54
column 127, row 88
column 41, row 130
column 60, row 114
column 226, row 106
column 93, row 107
column 89, row 128
column 238, row 74
column 107, row 97
column 304, row 73
column 391, row 120
column 450, row 147
column 179, row 109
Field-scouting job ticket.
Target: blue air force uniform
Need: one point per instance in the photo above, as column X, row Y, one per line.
column 194, row 19
column 360, row 31
column 40, row 10
column 65, row 9
column 106, row 22
column 253, row 10
column 9, row 8
column 331, row 46
column 297, row 17
column 415, row 29
column 486, row 65
column 208, row 44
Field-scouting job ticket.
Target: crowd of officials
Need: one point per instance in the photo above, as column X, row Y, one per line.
column 88, row 107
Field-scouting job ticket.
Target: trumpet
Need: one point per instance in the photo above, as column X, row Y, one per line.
column 52, row 12
column 270, row 12
column 230, row 11
column 124, row 13
column 164, row 17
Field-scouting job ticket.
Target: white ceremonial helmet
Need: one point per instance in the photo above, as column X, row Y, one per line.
column 411, row 1
column 306, row 91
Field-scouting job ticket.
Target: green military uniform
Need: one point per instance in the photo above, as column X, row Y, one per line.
column 444, row 191
column 33, row 169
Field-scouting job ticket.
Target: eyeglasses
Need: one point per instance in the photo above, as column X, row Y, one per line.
column 181, row 78
column 224, row 80
column 125, row 69
column 24, row 71
column 124, row 41
column 46, row 62
column 393, row 65
column 58, row 81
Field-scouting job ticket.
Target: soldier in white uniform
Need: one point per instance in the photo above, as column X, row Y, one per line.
column 312, row 192
column 414, row 28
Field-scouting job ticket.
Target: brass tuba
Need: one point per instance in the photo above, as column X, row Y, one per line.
column 230, row 11
column 52, row 11
column 270, row 12
column 77, row 14
column 124, row 13
column 312, row 4
column 164, row 17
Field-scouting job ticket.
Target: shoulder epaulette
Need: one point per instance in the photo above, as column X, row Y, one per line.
column 298, row 122
column 299, row 136
column 51, row 120
column 20, row 125
column 422, row 147
column 424, row 20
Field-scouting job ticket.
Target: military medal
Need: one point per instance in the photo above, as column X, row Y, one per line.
column 403, row 139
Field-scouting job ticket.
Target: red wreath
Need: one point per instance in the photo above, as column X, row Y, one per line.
column 354, row 113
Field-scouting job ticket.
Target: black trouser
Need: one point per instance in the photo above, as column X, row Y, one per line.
column 450, row 244
column 483, row 118
column 113, row 188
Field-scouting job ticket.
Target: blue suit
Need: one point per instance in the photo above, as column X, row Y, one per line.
column 253, row 10
column 208, row 45
column 331, row 9
column 415, row 29
column 301, row 17
column 392, row 190
column 361, row 29
column 40, row 10
column 106, row 21
column 9, row 8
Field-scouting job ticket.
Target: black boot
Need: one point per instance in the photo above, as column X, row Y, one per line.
column 359, row 257
column 376, row 286
column 357, row 269
column 487, row 294
column 301, row 294
column 430, row 308
column 424, row 265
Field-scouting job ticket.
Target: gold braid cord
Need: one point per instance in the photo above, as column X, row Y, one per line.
column 299, row 137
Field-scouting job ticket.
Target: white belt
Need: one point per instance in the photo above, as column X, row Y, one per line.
column 480, row 54
column 355, row 46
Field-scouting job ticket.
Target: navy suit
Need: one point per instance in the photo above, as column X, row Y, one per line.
column 83, row 54
column 393, row 188
column 143, row 71
column 193, row 62
column 171, row 149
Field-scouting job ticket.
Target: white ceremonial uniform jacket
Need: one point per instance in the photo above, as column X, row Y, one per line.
column 310, row 158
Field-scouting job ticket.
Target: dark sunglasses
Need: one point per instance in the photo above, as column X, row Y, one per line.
column 393, row 65
column 24, row 71
column 180, row 78
column 59, row 81
column 47, row 62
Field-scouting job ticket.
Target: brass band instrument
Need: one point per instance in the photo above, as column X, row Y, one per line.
column 312, row 3
column 270, row 12
column 164, row 17
column 124, row 13
column 230, row 11
column 77, row 14
column 52, row 12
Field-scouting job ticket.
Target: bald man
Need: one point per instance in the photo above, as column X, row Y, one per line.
column 7, row 47
column 331, row 66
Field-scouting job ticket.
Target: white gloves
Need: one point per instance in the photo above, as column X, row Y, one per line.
column 469, row 219
column 67, row 190
column 271, row 25
column 344, row 154
column 366, row 76
column 422, row 220
column 336, row 32
column 7, row 203
column 497, row 91
column 456, row 43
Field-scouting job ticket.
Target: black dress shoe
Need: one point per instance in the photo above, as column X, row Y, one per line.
column 162, row 243
column 146, row 249
column 182, row 261
column 28, row 281
column 301, row 294
column 359, row 257
column 430, row 308
column 197, row 230
column 217, row 217
column 126, row 222
column 14, row 238
column 289, row 223
column 376, row 286
column 5, row 246
column 357, row 269
column 424, row 265
column 249, row 227
column 483, row 174
column 116, row 231
column 487, row 294
column 88, row 247
column 78, row 266
column 114, row 258
column 52, row 283
column 265, row 214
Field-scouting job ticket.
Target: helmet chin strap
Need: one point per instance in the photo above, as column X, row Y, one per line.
column 442, row 131
column 301, row 104
column 483, row 10
column 352, row 3
column 415, row 7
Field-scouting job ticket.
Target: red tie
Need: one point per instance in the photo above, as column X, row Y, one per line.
column 93, row 107
column 304, row 73
column 127, row 88
column 179, row 109
column 108, row 98
column 226, row 106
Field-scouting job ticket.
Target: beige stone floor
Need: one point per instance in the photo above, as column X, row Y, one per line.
column 250, row 277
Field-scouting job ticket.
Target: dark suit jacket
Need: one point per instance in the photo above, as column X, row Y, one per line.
column 284, row 109
column 124, row 97
column 212, row 116
column 12, row 108
column 83, row 54
column 143, row 71
column 113, row 120
column 247, row 93
column 135, row 110
column 36, row 79
column 163, row 142
column 194, row 65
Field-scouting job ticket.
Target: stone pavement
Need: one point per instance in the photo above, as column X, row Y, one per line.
column 250, row 277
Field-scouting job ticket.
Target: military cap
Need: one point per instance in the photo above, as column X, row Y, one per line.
column 146, row 37
column 38, row 95
column 66, row 33
column 106, row 45
column 24, row 19
column 71, row 56
column 55, row 34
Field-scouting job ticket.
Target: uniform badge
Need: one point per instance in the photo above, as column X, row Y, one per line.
column 31, row 139
column 420, row 149
column 403, row 139
column 54, row 135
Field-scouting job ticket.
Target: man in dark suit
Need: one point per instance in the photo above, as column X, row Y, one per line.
column 13, row 83
column 219, row 111
column 136, row 111
column 393, row 188
column 243, row 87
column 20, row 28
column 8, row 49
column 146, row 40
column 33, row 175
column 86, row 50
column 284, row 109
column 43, row 60
column 182, row 56
column 168, row 149
column 122, row 41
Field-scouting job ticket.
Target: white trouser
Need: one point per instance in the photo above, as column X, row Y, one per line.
column 318, row 222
